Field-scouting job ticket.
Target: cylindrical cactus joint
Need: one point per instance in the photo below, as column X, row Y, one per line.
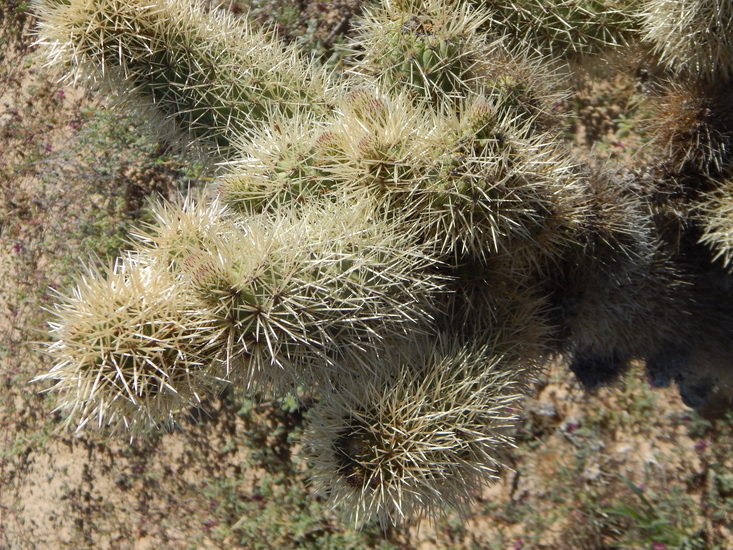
column 214, row 76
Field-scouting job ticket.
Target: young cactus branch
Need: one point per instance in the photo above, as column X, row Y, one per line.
column 211, row 74
column 428, row 436
column 132, row 347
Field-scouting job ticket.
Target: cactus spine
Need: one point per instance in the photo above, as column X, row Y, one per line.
column 564, row 28
column 132, row 347
column 691, row 36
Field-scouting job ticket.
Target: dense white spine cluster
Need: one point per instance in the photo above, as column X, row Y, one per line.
column 203, row 72
column 692, row 36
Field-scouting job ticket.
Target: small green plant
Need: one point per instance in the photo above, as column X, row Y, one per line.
column 656, row 528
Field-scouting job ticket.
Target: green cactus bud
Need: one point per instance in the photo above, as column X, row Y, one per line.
column 411, row 444
column 211, row 74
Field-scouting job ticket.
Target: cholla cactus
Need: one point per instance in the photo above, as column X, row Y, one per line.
column 430, row 48
column 433, row 50
column 408, row 241
column 693, row 126
column 132, row 346
column 565, row 27
column 717, row 217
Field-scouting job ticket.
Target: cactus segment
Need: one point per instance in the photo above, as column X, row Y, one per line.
column 425, row 438
column 469, row 183
column 211, row 74
column 691, row 37
column 432, row 49
column 132, row 347
column 300, row 291
column 298, row 287
column 278, row 165
column 436, row 52
column 277, row 300
column 693, row 127
column 566, row 27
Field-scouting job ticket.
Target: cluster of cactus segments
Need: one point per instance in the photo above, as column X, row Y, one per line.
column 407, row 240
